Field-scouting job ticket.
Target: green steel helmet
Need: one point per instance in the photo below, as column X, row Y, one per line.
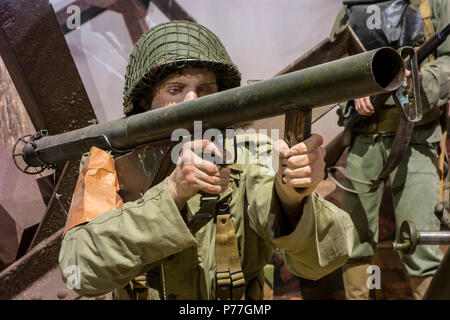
column 168, row 48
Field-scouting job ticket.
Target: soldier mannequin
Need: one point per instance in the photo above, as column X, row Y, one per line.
column 415, row 182
column 172, row 63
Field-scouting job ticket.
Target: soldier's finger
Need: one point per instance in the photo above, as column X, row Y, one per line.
column 280, row 147
column 369, row 104
column 314, row 157
column 304, row 172
column 302, row 160
column 407, row 73
column 363, row 106
column 299, row 182
column 212, row 152
column 306, row 146
column 205, row 148
column 306, row 182
column 357, row 105
column 206, row 166
column 212, row 180
column 211, row 188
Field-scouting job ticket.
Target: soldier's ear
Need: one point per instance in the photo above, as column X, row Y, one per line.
column 146, row 102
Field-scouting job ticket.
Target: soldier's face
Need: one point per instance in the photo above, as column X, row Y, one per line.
column 191, row 83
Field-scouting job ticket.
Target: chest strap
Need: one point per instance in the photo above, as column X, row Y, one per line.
column 230, row 282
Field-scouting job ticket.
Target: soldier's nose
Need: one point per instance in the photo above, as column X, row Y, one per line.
column 191, row 95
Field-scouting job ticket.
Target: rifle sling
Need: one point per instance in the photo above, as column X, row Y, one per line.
column 398, row 149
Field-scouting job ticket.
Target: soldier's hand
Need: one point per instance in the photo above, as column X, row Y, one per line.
column 364, row 107
column 193, row 174
column 302, row 166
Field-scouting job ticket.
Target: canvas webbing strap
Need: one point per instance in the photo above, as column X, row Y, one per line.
column 206, row 212
column 230, row 282
column 425, row 12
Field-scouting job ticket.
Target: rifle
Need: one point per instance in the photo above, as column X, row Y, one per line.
column 411, row 110
column 432, row 44
column 374, row 72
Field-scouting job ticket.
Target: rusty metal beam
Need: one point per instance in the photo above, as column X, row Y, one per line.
column 173, row 10
column 53, row 211
column 134, row 12
column 36, row 55
column 41, row 66
column 14, row 119
column 37, row 276
column 44, row 73
column 89, row 9
column 30, row 267
column 13, row 66
column 18, row 193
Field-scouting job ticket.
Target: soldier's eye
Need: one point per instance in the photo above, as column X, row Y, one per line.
column 175, row 90
column 206, row 90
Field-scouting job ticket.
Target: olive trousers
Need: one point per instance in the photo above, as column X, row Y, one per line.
column 415, row 191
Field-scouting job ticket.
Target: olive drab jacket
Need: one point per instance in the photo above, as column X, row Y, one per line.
column 150, row 236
